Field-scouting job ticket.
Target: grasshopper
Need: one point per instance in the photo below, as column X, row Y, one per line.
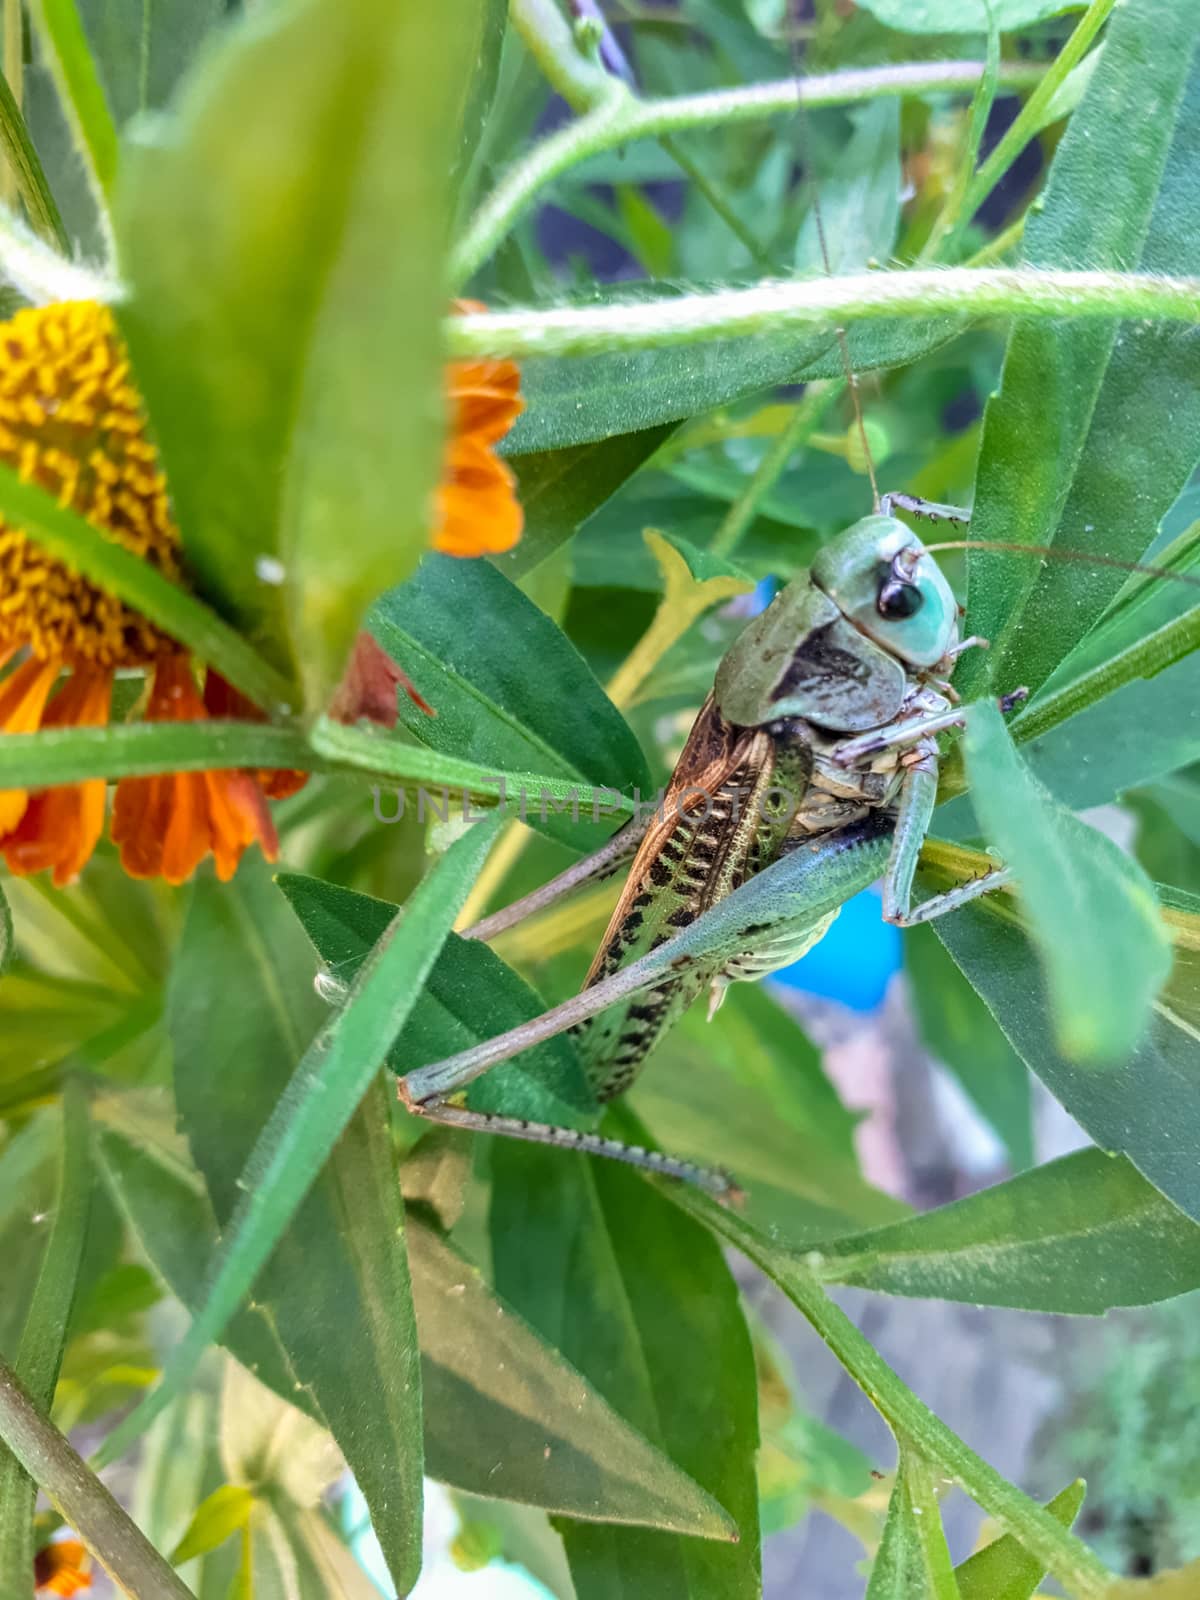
column 818, row 741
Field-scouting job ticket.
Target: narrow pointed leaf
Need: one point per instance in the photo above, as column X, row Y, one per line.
column 1002, row 1570
column 913, row 1562
column 328, row 1084
column 1092, row 910
column 1079, row 1235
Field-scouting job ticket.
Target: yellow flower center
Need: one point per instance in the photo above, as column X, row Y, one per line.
column 71, row 421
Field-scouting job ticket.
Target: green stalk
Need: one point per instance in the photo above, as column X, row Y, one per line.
column 776, row 307
column 616, row 117
column 116, row 1541
column 1080, row 1572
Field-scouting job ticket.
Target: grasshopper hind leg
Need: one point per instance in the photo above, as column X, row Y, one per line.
column 713, row 1182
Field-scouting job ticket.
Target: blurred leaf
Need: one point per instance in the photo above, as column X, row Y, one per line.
column 594, row 397
column 282, row 238
column 913, row 1562
column 142, row 51
column 1079, row 1235
column 1084, row 412
column 515, row 692
column 479, row 1359
column 65, row 49
column 859, row 193
column 958, row 1028
column 1148, row 1107
column 719, row 1093
column 470, row 995
column 641, row 1300
column 1002, row 1570
column 322, row 1095
column 270, row 1443
column 508, row 1416
column 224, row 1512
column 1093, row 913
column 337, row 1285
column 40, row 1351
column 560, row 490
column 946, row 16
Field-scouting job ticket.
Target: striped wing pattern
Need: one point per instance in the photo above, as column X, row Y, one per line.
column 703, row 843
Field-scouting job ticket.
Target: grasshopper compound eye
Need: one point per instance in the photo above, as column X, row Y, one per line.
column 899, row 596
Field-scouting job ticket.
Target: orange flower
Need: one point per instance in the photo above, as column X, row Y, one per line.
column 478, row 512
column 62, row 1568
column 71, row 422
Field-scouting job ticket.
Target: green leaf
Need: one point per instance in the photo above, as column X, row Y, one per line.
column 647, row 1309
column 1077, row 1236
column 40, row 1350
column 1002, row 1570
column 572, row 402
column 282, row 236
column 560, row 490
column 950, row 16
column 1084, row 411
column 469, row 995
column 63, row 534
column 222, row 1513
column 1149, row 1106
column 1093, row 912
column 32, row 185
column 142, row 51
column 66, row 50
column 509, row 1417
column 858, row 185
column 336, row 1287
column 957, row 1026
column 479, row 1359
column 913, row 1562
column 515, row 692
column 331, row 1079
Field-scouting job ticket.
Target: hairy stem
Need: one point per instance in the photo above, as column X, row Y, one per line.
column 776, row 307
column 613, row 116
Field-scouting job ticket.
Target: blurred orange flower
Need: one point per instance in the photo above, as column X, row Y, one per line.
column 478, row 512
column 62, row 1568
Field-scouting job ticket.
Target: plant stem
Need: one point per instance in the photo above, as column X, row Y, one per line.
column 804, row 422
column 1032, row 117
column 580, row 79
column 775, row 307
column 613, row 116
column 1063, row 1554
column 119, row 1545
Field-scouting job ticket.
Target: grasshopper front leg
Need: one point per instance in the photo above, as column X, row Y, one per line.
column 914, row 812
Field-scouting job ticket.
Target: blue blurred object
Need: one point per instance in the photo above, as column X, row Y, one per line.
column 855, row 960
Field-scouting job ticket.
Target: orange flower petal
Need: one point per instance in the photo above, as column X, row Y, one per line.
column 485, row 398
column 166, row 825
column 61, row 827
column 223, row 700
column 478, row 512
column 22, row 701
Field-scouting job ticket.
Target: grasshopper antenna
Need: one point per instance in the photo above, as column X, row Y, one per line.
column 823, row 248
column 1050, row 553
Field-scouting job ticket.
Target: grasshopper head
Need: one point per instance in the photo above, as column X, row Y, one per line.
column 881, row 578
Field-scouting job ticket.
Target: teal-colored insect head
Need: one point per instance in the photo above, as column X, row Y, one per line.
column 880, row 576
